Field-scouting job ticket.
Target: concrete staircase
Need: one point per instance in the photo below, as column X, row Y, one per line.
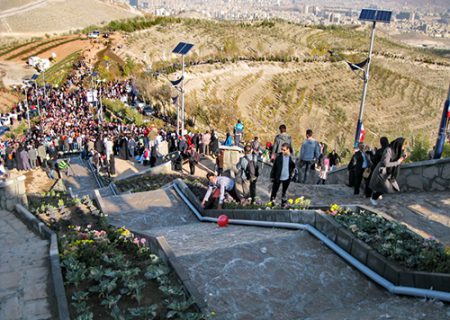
column 260, row 273
column 24, row 272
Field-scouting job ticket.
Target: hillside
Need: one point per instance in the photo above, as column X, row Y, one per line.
column 270, row 73
column 55, row 16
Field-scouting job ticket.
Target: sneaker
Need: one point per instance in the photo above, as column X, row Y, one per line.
column 380, row 198
column 373, row 202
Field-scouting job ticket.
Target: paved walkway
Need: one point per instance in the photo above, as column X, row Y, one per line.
column 263, row 273
column 81, row 180
column 24, row 272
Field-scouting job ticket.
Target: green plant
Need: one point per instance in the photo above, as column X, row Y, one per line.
column 420, row 146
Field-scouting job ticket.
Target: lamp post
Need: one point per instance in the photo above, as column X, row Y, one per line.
column 25, row 90
column 443, row 128
column 373, row 16
column 34, row 78
column 182, row 49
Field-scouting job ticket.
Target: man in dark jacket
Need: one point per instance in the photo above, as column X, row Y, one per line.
column 281, row 173
column 358, row 164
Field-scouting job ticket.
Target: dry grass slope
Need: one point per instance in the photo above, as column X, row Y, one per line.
column 406, row 91
column 60, row 16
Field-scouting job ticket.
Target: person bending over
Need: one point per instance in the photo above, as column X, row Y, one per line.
column 217, row 188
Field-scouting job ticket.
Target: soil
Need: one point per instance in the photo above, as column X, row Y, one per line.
column 37, row 181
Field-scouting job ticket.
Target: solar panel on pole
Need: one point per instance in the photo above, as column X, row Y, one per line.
column 34, row 76
column 178, row 47
column 186, row 48
column 383, row 16
column 375, row 15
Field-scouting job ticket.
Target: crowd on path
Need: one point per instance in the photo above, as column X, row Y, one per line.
column 377, row 167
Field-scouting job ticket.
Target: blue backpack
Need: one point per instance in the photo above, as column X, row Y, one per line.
column 239, row 128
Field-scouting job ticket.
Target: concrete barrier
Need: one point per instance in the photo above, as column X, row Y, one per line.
column 429, row 175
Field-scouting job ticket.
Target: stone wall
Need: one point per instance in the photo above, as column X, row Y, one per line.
column 430, row 175
column 12, row 192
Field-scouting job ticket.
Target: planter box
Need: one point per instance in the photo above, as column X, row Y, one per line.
column 360, row 250
column 327, row 225
column 344, row 239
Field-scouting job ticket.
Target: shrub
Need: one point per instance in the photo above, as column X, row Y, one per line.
column 419, row 148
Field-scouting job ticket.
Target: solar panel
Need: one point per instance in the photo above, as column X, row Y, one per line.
column 34, row 76
column 183, row 48
column 367, row 14
column 375, row 15
column 187, row 47
column 384, row 16
column 178, row 47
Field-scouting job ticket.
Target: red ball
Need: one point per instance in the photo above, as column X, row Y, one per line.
column 222, row 221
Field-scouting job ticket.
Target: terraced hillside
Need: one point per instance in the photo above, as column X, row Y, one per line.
column 269, row 73
column 57, row 15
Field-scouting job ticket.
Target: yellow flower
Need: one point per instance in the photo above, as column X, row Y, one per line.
column 298, row 200
column 291, row 201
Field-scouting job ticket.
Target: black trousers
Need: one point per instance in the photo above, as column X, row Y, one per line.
column 276, row 186
column 357, row 181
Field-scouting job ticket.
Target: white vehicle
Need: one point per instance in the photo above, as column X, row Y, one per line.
column 94, row 34
column 38, row 63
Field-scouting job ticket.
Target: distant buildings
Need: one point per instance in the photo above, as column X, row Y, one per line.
column 428, row 20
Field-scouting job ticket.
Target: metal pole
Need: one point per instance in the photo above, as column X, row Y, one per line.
column 442, row 128
column 28, row 109
column 178, row 117
column 182, row 98
column 43, row 76
column 364, row 92
column 37, row 97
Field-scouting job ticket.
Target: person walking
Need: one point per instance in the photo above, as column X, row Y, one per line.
column 42, row 155
column 32, row 154
column 238, row 132
column 335, row 159
column 217, row 188
column 193, row 158
column 249, row 172
column 384, row 178
column 309, row 154
column 24, row 160
column 359, row 164
column 206, row 139
column 375, row 159
column 281, row 173
column 281, row 138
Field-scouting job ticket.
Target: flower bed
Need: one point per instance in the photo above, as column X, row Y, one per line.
column 394, row 240
column 111, row 274
column 199, row 188
column 150, row 182
column 108, row 272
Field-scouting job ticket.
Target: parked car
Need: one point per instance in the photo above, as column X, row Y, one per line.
column 5, row 121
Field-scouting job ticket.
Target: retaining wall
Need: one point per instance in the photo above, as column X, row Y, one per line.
column 430, row 175
column 12, row 192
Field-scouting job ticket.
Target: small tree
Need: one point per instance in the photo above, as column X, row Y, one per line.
column 420, row 146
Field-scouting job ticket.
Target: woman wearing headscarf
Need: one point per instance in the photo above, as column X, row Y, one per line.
column 384, row 178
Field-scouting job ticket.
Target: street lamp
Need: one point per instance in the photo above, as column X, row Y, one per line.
column 182, row 49
column 34, row 78
column 25, row 90
column 374, row 16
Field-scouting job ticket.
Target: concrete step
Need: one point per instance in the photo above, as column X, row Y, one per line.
column 147, row 210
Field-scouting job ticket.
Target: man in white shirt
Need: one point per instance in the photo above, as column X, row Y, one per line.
column 217, row 188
